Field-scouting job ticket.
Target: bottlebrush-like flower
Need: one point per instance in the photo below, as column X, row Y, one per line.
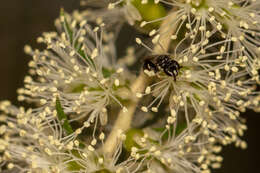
column 209, row 90
column 112, row 13
column 36, row 141
column 204, row 20
column 135, row 12
column 79, row 121
column 33, row 142
column 173, row 150
column 77, row 69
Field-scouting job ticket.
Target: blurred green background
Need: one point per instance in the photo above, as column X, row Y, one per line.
column 22, row 21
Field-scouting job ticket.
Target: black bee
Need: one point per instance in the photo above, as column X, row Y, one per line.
column 162, row 62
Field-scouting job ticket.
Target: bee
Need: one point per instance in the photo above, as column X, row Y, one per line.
column 163, row 63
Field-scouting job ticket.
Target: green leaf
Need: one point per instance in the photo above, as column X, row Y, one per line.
column 78, row 88
column 63, row 118
column 78, row 46
column 66, row 26
column 196, row 86
column 180, row 127
column 103, row 171
column 66, row 125
column 131, row 135
column 156, row 11
column 88, row 59
column 107, row 72
column 74, row 166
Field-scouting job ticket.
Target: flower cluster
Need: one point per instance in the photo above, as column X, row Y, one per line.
column 75, row 80
column 77, row 69
column 207, row 91
column 89, row 113
column 235, row 20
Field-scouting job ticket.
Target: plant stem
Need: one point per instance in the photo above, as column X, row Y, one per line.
column 124, row 119
column 166, row 31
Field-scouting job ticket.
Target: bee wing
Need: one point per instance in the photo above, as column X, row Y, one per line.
column 150, row 57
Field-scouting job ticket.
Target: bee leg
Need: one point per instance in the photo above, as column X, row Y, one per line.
column 175, row 72
column 171, row 72
column 174, row 77
column 168, row 71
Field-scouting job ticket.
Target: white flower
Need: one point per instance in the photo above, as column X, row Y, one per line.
column 203, row 21
column 77, row 69
column 30, row 142
column 114, row 13
column 33, row 141
column 174, row 151
column 75, row 84
column 209, row 90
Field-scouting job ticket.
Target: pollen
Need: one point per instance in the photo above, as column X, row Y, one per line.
column 148, row 90
column 117, row 82
column 144, row 109
column 151, row 33
column 143, row 23
column 125, row 109
column 138, row 41
column 139, row 95
column 154, row 109
column 174, row 37
column 94, row 53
